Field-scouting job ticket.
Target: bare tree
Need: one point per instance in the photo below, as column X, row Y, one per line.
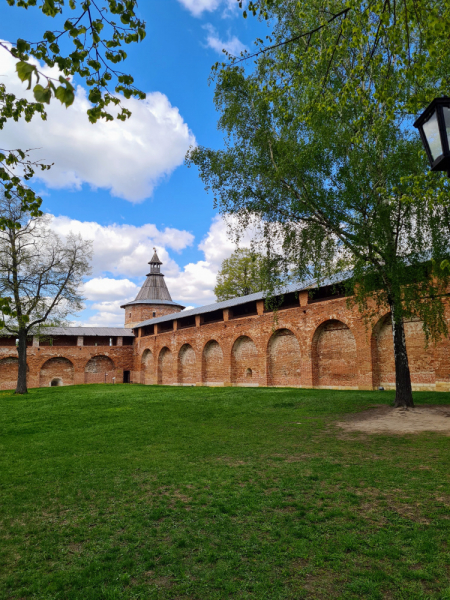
column 40, row 273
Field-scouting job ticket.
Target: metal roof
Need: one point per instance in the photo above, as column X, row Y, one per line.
column 294, row 287
column 164, row 302
column 91, row 331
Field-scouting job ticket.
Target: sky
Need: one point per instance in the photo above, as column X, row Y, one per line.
column 124, row 185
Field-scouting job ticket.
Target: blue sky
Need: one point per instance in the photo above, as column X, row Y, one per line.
column 126, row 188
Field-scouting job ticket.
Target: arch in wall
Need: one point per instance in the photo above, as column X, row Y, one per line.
column 334, row 358
column 165, row 367
column 244, row 361
column 147, row 367
column 9, row 369
column 283, row 359
column 187, row 365
column 99, row 369
column 57, row 367
column 421, row 360
column 212, row 363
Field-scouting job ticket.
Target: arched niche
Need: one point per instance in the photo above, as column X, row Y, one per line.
column 187, row 365
column 212, row 363
column 147, row 367
column 99, row 369
column 244, row 356
column 420, row 358
column 9, row 369
column 284, row 359
column 165, row 367
column 334, row 356
column 57, row 367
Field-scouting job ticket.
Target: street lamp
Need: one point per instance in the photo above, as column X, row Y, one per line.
column 434, row 128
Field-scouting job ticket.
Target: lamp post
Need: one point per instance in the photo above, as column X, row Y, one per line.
column 434, row 128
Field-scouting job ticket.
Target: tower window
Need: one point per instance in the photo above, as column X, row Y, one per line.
column 154, row 313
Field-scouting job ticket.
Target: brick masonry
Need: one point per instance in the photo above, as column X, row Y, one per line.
column 323, row 344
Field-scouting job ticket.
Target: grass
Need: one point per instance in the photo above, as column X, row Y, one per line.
column 121, row 492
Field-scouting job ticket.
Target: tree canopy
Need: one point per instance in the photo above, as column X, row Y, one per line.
column 40, row 274
column 329, row 165
column 241, row 274
column 86, row 43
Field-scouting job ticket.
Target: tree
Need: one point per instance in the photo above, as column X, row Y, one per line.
column 40, row 274
column 241, row 274
column 87, row 45
column 339, row 184
column 409, row 36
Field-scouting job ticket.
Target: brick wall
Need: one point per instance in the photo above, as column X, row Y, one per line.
column 142, row 312
column 67, row 364
column 284, row 359
column 323, row 344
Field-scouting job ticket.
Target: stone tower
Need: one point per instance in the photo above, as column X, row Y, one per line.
column 153, row 299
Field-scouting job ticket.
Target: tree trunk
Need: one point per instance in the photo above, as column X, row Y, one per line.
column 22, row 375
column 403, row 389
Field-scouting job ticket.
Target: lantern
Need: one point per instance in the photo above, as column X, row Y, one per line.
column 434, row 128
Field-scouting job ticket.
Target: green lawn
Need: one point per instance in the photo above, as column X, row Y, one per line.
column 127, row 491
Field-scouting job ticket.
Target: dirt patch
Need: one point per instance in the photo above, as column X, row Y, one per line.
column 385, row 419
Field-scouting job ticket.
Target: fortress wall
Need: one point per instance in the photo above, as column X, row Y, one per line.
column 323, row 344
column 72, row 365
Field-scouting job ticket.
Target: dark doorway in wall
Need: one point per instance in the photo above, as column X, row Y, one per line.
column 126, row 376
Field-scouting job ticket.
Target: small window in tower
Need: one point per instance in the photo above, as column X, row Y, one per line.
column 129, row 314
column 154, row 313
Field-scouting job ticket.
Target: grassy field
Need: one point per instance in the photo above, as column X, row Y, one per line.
column 120, row 492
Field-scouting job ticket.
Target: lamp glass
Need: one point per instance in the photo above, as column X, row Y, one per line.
column 431, row 130
column 446, row 112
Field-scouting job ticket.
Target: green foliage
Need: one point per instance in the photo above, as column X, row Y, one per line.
column 210, row 493
column 242, row 274
column 88, row 46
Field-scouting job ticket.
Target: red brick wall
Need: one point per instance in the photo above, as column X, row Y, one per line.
column 322, row 344
column 284, row 359
column 334, row 356
column 67, row 364
column 212, row 363
column 421, row 359
column 8, row 372
column 57, row 368
column 165, row 367
column 99, row 369
column 147, row 368
column 245, row 362
column 142, row 312
column 187, row 367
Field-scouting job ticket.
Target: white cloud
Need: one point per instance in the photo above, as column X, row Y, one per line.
column 198, row 7
column 129, row 159
column 106, row 289
column 196, row 281
column 126, row 249
column 232, row 45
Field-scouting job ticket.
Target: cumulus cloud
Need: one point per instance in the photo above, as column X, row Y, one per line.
column 104, row 288
column 126, row 249
column 198, row 7
column 196, row 281
column 232, row 45
column 129, row 159
column 123, row 251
